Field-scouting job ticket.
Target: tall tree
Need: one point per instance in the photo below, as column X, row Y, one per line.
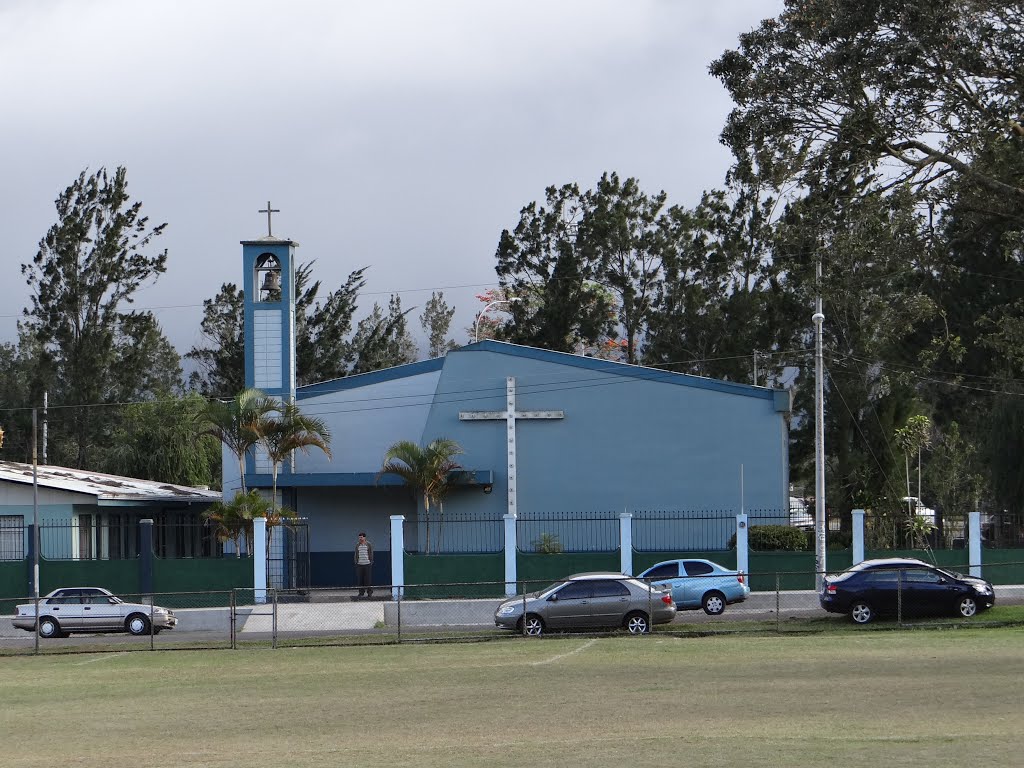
column 564, row 306
column 322, row 328
column 222, row 364
column 723, row 308
column 920, row 85
column 323, row 349
column 620, row 235
column 160, row 440
column 87, row 270
column 382, row 341
column 872, row 296
column 435, row 321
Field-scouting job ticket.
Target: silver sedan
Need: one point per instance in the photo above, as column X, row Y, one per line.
column 91, row 609
column 588, row 601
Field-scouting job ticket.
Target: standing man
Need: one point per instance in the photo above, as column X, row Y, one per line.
column 364, row 565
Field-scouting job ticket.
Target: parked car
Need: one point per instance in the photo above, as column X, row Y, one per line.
column 90, row 609
column 800, row 516
column 588, row 601
column 887, row 586
column 699, row 584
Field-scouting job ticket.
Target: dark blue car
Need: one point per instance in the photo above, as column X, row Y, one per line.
column 906, row 587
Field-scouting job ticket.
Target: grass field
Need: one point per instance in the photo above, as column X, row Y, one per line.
column 915, row 698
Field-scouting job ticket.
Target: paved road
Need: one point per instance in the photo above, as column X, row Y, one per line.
column 211, row 627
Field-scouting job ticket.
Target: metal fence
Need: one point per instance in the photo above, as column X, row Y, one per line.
column 119, row 537
column 588, row 532
column 460, row 534
column 439, row 612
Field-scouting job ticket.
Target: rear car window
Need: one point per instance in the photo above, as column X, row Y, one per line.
column 610, row 588
column 694, row 568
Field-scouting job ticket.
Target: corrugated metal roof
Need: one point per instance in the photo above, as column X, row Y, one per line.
column 103, row 487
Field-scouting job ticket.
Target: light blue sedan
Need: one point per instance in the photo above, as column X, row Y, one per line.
column 698, row 584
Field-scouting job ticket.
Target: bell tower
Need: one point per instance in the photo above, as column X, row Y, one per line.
column 269, row 314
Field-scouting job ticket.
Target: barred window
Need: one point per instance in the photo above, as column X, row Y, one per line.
column 12, row 537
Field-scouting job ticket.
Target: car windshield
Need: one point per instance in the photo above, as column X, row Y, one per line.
column 548, row 590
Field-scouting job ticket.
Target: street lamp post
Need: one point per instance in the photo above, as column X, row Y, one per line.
column 482, row 312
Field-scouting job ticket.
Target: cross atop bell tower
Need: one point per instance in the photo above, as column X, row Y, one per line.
column 268, row 210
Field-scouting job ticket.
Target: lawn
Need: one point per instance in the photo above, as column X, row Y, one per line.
column 913, row 698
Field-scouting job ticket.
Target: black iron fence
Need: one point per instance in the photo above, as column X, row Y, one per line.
column 114, row 538
column 583, row 532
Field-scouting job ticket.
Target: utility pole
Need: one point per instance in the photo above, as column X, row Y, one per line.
column 819, row 443
column 35, row 512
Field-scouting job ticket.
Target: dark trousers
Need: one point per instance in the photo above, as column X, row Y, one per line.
column 364, row 576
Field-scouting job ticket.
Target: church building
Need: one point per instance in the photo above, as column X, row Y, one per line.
column 547, row 436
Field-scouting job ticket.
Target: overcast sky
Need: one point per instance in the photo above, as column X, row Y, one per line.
column 401, row 135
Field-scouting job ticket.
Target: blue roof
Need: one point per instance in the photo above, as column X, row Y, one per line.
column 374, row 377
column 781, row 397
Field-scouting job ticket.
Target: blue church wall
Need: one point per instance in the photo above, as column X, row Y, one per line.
column 367, row 419
column 632, row 439
column 625, row 443
column 336, row 516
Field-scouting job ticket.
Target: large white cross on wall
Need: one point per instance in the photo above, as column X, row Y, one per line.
column 510, row 415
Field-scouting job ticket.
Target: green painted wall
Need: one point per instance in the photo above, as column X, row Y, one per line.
column 13, row 584
column 119, row 576
column 537, row 571
column 1002, row 566
column 218, row 576
column 454, row 575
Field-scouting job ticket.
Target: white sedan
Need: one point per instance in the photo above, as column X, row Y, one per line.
column 91, row 609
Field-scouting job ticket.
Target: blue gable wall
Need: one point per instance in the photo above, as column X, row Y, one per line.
column 631, row 439
column 367, row 414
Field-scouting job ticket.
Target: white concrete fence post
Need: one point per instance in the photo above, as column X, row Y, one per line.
column 626, row 543
column 397, row 556
column 858, row 536
column 742, row 544
column 974, row 542
column 510, row 555
column 259, row 559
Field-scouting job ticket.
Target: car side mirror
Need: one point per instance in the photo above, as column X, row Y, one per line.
column 553, row 599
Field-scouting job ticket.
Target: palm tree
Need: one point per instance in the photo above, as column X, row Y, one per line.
column 233, row 520
column 915, row 437
column 237, row 423
column 426, row 471
column 280, row 436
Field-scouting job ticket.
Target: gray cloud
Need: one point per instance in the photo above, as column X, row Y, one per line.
column 400, row 135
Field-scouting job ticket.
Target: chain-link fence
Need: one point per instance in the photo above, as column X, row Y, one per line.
column 599, row 604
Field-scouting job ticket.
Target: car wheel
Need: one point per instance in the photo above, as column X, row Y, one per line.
column 49, row 628
column 967, row 607
column 137, row 624
column 714, row 603
column 532, row 625
column 637, row 623
column 861, row 612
